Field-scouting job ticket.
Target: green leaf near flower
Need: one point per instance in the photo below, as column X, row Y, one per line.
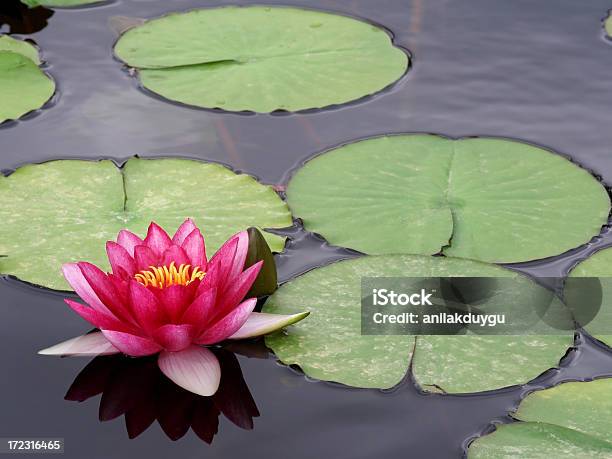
column 485, row 199
column 330, row 345
column 23, row 85
column 261, row 58
column 571, row 420
column 64, row 211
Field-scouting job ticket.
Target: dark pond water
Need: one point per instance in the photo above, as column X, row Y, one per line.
column 535, row 71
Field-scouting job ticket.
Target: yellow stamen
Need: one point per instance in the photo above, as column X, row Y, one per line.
column 167, row 276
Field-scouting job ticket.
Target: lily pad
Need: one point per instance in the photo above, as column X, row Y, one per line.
column 599, row 265
column 23, row 85
column 570, row 420
column 261, row 58
column 65, row 211
column 608, row 25
column 469, row 363
column 24, row 48
column 60, row 3
column 535, row 440
column 485, row 199
column 330, row 346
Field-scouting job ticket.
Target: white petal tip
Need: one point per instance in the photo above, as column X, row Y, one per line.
column 261, row 323
column 195, row 369
column 90, row 345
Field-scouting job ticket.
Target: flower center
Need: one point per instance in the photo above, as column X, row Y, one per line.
column 167, row 276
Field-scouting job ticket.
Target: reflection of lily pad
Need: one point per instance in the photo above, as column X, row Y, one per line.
column 485, row 199
column 59, row 3
column 599, row 265
column 330, row 346
column 261, row 58
column 23, row 85
column 570, row 420
column 65, row 211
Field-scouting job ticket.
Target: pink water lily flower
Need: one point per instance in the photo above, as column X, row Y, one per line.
column 164, row 296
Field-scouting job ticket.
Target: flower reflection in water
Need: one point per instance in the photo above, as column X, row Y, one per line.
column 21, row 19
column 137, row 389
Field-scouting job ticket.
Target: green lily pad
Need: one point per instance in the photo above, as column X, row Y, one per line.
column 599, row 265
column 570, row 420
column 261, row 58
column 65, row 211
column 535, row 440
column 470, row 363
column 330, row 346
column 23, row 85
column 59, row 3
column 24, row 48
column 484, row 199
column 608, row 25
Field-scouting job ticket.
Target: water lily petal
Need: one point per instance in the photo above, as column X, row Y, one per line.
column 133, row 345
column 242, row 249
column 195, row 369
column 175, row 254
column 195, row 249
column 260, row 323
column 145, row 257
column 157, row 239
column 91, row 344
column 120, row 259
column 229, row 324
column 175, row 299
column 199, row 312
column 128, row 241
column 98, row 319
column 105, row 290
column 184, row 230
column 211, row 278
column 79, row 284
column 237, row 290
column 121, row 287
column 146, row 308
column 174, row 337
column 219, row 267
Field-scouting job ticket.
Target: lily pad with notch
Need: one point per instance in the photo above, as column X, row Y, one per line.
column 480, row 198
column 330, row 344
column 64, row 211
column 261, row 58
